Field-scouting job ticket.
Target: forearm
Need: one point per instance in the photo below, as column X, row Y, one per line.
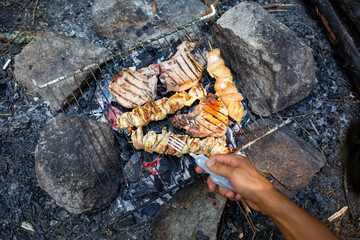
column 293, row 221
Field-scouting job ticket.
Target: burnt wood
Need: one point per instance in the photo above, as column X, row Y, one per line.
column 340, row 38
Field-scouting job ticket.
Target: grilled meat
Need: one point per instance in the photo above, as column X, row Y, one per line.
column 183, row 70
column 224, row 86
column 157, row 110
column 135, row 88
column 153, row 142
column 209, row 119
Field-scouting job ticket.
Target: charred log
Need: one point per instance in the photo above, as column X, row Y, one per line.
column 340, row 38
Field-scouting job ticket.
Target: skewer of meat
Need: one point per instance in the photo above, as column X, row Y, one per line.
column 158, row 143
column 224, row 86
column 209, row 118
column 159, row 109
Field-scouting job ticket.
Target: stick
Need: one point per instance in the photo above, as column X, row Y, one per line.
column 34, row 12
column 340, row 38
column 338, row 214
column 272, row 5
column 267, row 133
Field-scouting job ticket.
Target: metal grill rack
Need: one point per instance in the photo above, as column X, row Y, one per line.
column 98, row 75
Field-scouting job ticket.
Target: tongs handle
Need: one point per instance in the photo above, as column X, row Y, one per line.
column 219, row 180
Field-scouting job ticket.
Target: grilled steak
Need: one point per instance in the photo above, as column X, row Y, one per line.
column 135, row 88
column 183, row 70
column 157, row 110
column 209, row 118
column 158, row 143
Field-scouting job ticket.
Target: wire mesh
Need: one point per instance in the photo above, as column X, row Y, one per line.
column 92, row 99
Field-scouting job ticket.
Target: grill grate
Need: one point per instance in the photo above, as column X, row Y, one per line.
column 98, row 75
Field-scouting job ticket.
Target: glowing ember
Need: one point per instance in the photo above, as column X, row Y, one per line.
column 151, row 167
column 113, row 114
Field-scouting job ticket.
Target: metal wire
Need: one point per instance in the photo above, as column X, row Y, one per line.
column 106, row 69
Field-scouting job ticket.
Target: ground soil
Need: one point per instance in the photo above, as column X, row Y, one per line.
column 330, row 106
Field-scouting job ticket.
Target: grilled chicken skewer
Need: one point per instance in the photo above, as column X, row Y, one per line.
column 159, row 109
column 224, row 86
column 209, row 118
column 158, row 143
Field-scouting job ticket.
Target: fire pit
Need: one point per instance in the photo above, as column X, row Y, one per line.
column 160, row 175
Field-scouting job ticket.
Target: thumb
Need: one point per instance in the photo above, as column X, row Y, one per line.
column 218, row 167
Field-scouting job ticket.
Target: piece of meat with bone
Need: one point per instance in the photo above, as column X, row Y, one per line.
column 224, row 86
column 183, row 70
column 158, row 143
column 135, row 88
column 159, row 109
column 209, row 118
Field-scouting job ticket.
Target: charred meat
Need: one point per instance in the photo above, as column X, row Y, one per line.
column 209, row 118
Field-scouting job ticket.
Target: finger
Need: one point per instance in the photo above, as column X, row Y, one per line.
column 199, row 170
column 227, row 193
column 211, row 184
column 219, row 167
column 233, row 160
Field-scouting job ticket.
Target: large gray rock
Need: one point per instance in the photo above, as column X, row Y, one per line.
column 273, row 67
column 77, row 163
column 193, row 210
column 51, row 56
column 135, row 21
column 282, row 156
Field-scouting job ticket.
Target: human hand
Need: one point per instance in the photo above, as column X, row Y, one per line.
column 248, row 183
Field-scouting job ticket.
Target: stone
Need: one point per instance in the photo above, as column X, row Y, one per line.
column 51, row 56
column 192, row 210
column 136, row 21
column 77, row 164
column 272, row 66
column 289, row 161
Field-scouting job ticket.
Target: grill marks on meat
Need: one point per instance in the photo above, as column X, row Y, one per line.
column 134, row 88
column 159, row 109
column 153, row 142
column 209, row 118
column 183, row 70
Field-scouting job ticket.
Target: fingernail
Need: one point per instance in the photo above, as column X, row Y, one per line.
column 237, row 197
column 228, row 195
column 210, row 162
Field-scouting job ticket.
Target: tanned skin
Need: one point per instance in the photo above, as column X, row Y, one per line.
column 261, row 196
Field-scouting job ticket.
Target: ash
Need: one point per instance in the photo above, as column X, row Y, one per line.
column 27, row 212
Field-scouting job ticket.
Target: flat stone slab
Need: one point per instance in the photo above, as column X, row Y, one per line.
column 77, row 163
column 51, row 56
column 289, row 161
column 194, row 210
column 136, row 21
column 272, row 66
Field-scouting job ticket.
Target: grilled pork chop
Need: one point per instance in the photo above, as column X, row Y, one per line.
column 209, row 118
column 183, row 70
column 135, row 88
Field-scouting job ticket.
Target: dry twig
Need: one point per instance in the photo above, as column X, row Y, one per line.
column 337, row 214
column 273, row 5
